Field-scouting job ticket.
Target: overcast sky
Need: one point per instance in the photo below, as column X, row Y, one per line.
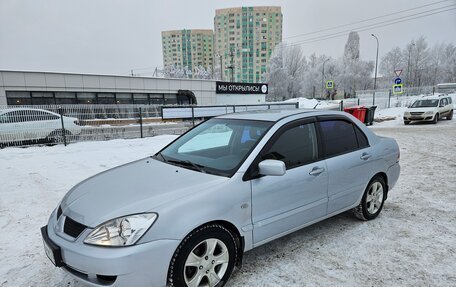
column 115, row 36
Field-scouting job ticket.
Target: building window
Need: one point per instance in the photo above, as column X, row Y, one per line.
column 156, row 99
column 86, row 98
column 140, row 99
column 65, row 98
column 123, row 98
column 18, row 98
column 43, row 98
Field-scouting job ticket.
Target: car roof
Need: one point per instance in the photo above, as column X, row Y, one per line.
column 275, row 115
column 433, row 97
column 22, row 109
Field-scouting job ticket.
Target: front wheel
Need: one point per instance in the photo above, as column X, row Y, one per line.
column 205, row 258
column 406, row 122
column 372, row 202
column 436, row 119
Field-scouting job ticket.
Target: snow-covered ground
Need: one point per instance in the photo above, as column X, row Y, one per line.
column 412, row 243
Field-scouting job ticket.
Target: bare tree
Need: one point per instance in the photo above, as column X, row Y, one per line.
column 391, row 61
column 286, row 66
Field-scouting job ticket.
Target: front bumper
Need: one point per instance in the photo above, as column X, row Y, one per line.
column 139, row 265
column 423, row 117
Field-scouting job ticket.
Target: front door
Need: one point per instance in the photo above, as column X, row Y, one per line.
column 284, row 203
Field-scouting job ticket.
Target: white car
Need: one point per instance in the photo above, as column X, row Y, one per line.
column 27, row 124
column 430, row 109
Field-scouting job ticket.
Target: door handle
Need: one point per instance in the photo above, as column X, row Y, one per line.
column 365, row 156
column 316, row 171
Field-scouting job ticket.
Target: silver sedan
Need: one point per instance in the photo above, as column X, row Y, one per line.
column 186, row 215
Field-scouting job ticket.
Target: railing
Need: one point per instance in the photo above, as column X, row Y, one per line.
column 384, row 98
column 54, row 124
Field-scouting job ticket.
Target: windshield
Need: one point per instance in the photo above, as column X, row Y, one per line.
column 425, row 103
column 217, row 146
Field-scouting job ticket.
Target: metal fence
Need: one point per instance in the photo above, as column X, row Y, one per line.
column 56, row 124
column 384, row 98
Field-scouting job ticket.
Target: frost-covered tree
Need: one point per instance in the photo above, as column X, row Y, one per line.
column 200, row 72
column 351, row 51
column 420, row 60
column 173, row 71
column 285, row 72
column 391, row 61
column 353, row 73
column 422, row 65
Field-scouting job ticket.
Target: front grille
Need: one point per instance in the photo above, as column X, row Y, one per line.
column 416, row 113
column 73, row 228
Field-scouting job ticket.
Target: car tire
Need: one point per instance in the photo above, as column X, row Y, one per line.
column 436, row 119
column 406, row 122
column 208, row 254
column 373, row 199
column 56, row 136
column 450, row 116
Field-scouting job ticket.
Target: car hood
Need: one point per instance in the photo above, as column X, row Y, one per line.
column 132, row 188
column 422, row 110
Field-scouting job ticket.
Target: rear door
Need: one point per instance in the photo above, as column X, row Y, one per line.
column 348, row 160
column 284, row 203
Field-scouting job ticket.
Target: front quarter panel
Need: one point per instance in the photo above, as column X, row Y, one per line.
column 229, row 201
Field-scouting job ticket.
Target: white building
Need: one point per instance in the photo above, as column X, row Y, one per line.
column 48, row 88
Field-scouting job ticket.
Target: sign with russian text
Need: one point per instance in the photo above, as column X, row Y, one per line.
column 240, row 88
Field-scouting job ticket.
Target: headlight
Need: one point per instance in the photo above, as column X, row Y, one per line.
column 429, row 113
column 406, row 113
column 122, row 231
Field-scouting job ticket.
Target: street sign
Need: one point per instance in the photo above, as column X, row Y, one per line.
column 398, row 72
column 398, row 89
column 330, row 84
column 398, row 81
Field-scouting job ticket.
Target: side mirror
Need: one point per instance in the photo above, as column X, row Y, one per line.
column 272, row 167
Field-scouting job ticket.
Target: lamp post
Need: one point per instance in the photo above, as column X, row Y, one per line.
column 409, row 74
column 221, row 69
column 322, row 79
column 376, row 64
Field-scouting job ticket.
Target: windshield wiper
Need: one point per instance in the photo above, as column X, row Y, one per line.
column 187, row 163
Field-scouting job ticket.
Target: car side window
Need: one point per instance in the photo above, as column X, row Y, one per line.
column 449, row 100
column 295, row 146
column 338, row 137
column 361, row 137
column 15, row 117
column 45, row 116
column 443, row 102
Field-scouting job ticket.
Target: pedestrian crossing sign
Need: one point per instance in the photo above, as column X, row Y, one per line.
column 398, row 89
column 330, row 85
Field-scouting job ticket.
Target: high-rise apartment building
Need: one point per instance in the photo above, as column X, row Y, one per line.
column 244, row 39
column 188, row 49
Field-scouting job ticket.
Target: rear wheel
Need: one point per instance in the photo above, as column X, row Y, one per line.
column 205, row 258
column 450, row 115
column 56, row 136
column 436, row 119
column 372, row 202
